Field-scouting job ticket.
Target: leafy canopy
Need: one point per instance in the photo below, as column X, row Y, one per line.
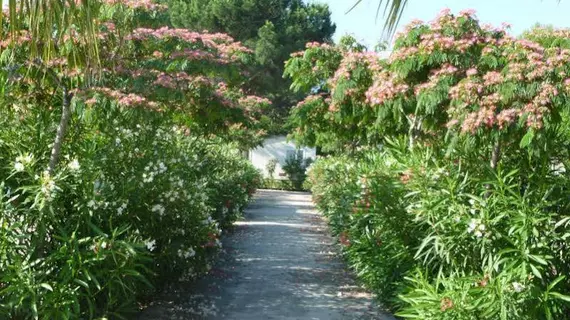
column 273, row 29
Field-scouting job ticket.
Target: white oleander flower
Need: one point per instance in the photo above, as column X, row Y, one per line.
column 25, row 159
column 476, row 227
column 150, row 245
column 186, row 253
column 19, row 167
column 158, row 209
column 518, row 287
column 74, row 165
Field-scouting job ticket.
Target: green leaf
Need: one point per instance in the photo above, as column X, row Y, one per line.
column 97, row 230
column 527, row 139
column 35, row 310
column 538, row 259
column 555, row 282
column 561, row 222
column 81, row 283
column 560, row 296
column 46, row 286
column 535, row 271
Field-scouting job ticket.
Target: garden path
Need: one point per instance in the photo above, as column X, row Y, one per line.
column 278, row 263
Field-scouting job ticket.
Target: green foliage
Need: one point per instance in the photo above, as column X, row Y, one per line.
column 267, row 46
column 452, row 200
column 362, row 200
column 548, row 36
column 273, row 28
column 435, row 242
column 99, row 224
column 150, row 145
column 296, row 169
column 453, row 76
column 278, row 184
column 271, row 166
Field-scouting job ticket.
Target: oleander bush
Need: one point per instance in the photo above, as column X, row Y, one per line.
column 114, row 181
column 295, row 168
column 411, row 225
column 447, row 184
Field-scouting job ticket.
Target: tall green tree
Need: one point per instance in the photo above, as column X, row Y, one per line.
column 272, row 28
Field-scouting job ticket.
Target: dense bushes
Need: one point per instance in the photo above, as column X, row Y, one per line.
column 452, row 200
column 115, row 182
column 482, row 253
column 134, row 203
column 361, row 199
column 296, row 169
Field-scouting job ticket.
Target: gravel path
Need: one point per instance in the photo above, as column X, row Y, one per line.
column 279, row 263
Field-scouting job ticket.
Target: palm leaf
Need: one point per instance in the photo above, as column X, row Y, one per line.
column 393, row 10
column 48, row 21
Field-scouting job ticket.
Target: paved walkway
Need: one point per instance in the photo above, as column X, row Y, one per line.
column 279, row 263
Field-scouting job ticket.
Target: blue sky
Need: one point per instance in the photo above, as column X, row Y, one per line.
column 522, row 14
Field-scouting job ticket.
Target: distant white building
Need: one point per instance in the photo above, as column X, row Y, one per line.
column 277, row 147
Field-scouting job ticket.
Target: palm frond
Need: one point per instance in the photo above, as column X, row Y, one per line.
column 392, row 14
column 49, row 22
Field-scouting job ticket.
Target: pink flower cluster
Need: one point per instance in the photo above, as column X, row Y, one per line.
column 432, row 41
column 492, row 78
column 311, row 45
column 474, row 120
column 487, row 115
column 515, row 71
column 297, row 54
column 132, row 72
column 490, row 100
column 559, row 58
column 147, row 5
column 224, row 45
column 544, row 32
column 385, row 87
column 227, row 50
column 21, row 38
column 536, row 109
column 193, row 54
column 58, row 62
column 403, row 54
column 211, row 40
column 110, row 26
column 529, row 45
column 447, row 69
column 467, row 13
column 483, row 94
column 491, row 28
column 471, row 72
column 309, row 99
column 351, row 60
column 467, row 91
column 435, row 77
column 222, row 92
column 506, row 117
column 252, row 102
column 165, row 32
column 173, row 81
column 436, row 38
column 125, row 99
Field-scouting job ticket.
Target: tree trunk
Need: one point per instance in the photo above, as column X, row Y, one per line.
column 61, row 130
column 495, row 155
column 414, row 131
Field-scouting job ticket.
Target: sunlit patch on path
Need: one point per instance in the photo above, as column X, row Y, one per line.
column 279, row 263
